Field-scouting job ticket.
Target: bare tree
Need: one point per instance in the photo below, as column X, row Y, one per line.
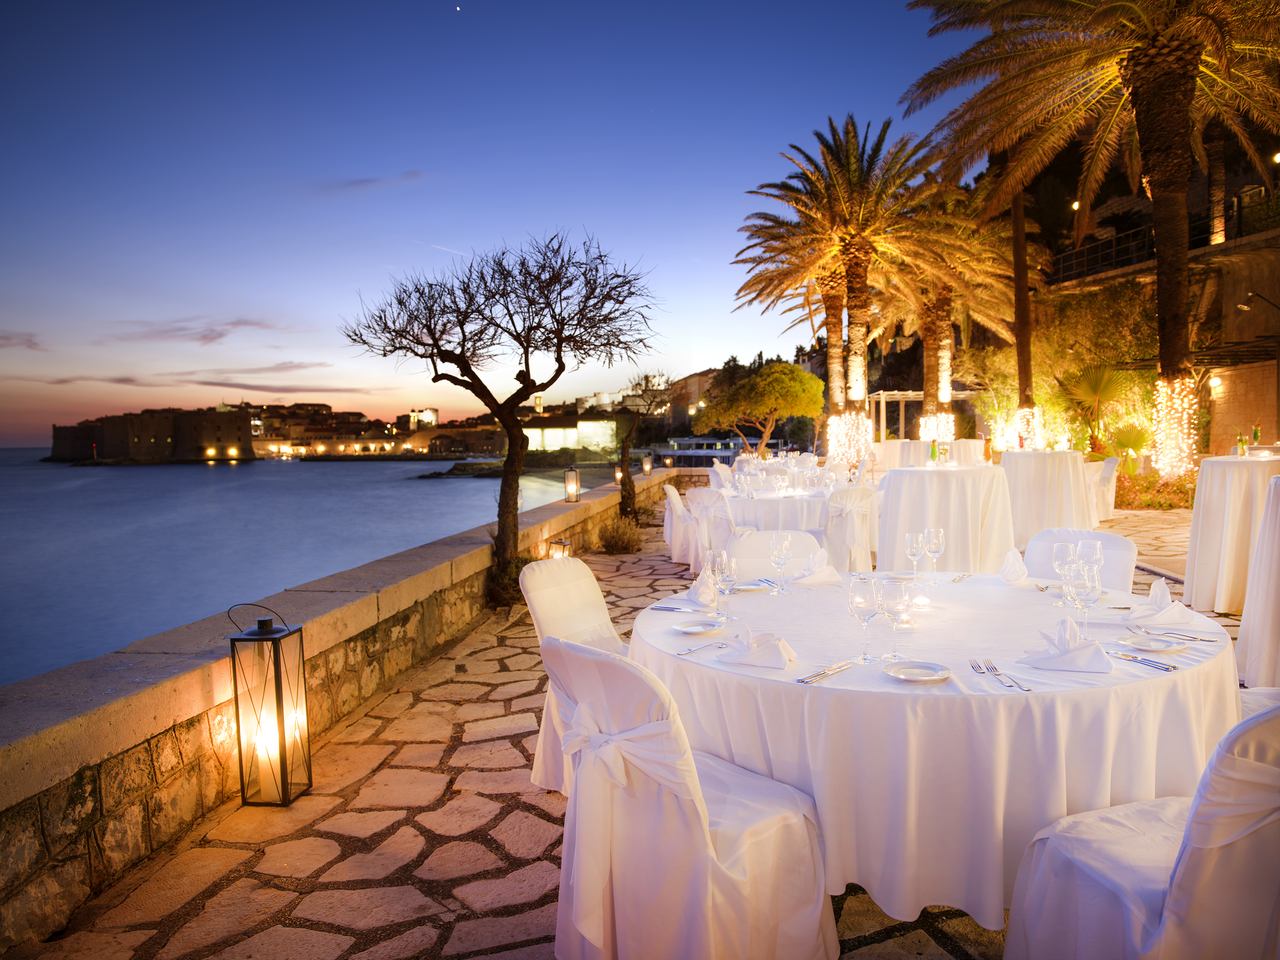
column 544, row 305
column 646, row 396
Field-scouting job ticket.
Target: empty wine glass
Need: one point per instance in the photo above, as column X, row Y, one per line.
column 895, row 603
column 779, row 556
column 865, row 608
column 915, row 550
column 1083, row 588
column 1064, row 554
column 726, row 570
column 1089, row 552
column 935, row 544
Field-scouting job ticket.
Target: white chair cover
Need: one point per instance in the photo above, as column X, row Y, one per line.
column 1119, row 555
column 721, row 476
column 1174, row 878
column 1257, row 700
column 776, row 468
column 850, row 525
column 564, row 601
column 716, row 526
column 750, row 548
column 1105, row 489
column 668, row 853
column 1258, row 648
column 680, row 531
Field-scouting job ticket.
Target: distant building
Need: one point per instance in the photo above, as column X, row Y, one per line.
column 687, row 396
column 158, row 436
column 561, row 431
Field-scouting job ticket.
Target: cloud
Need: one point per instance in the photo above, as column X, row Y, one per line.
column 370, row 183
column 278, row 387
column 286, row 366
column 17, row 340
column 121, row 381
column 197, row 329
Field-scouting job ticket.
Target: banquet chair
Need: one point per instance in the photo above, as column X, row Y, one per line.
column 1255, row 700
column 850, row 522
column 1119, row 555
column 751, row 548
column 723, row 474
column 716, row 526
column 564, row 601
column 1258, row 646
column 680, row 530
column 1175, row 878
column 669, row 852
column 1105, row 488
column 776, row 468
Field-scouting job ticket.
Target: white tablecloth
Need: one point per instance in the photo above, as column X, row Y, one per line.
column 929, row 793
column 1047, row 488
column 970, row 504
column 915, row 453
column 1258, row 646
column 788, row 511
column 1230, row 495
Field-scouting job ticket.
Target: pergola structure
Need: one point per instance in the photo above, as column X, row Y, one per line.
column 902, row 396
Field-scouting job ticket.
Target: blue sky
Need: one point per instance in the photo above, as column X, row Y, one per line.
column 196, row 197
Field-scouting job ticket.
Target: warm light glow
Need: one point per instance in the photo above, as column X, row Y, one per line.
column 668, row 461
column 559, row 548
column 1275, row 158
column 210, row 451
column 617, row 473
column 572, row 485
column 319, row 448
column 1215, row 381
column 233, row 451
column 939, row 426
column 848, row 438
column 1029, row 428
column 273, row 448
column 387, row 446
column 693, row 409
column 1175, row 426
column 646, row 465
column 1075, row 204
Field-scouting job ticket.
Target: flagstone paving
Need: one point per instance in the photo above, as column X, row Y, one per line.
column 423, row 836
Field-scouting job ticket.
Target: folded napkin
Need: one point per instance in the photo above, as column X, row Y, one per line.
column 1013, row 570
column 1068, row 650
column 1161, row 610
column 703, row 590
column 760, row 649
column 818, row 573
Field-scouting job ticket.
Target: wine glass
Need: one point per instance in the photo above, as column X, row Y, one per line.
column 726, row 570
column 915, row 550
column 864, row 607
column 1083, row 588
column 895, row 603
column 1064, row 554
column 1089, row 552
column 935, row 544
column 779, row 556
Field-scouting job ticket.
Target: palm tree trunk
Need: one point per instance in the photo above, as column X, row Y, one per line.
column 1215, row 151
column 938, row 342
column 831, row 290
column 856, row 255
column 1021, row 307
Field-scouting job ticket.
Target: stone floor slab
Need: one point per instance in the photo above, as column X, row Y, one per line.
column 916, row 945
column 173, row 885
column 508, row 726
column 393, row 705
column 338, row 765
column 460, row 815
column 360, row 824
column 496, row 782
column 413, row 943
column 479, row 711
column 419, row 728
column 487, row 932
column 400, row 787
column 297, row 858
column 88, row 945
column 386, row 858
column 358, row 732
column 487, row 755
column 260, row 824
column 460, row 858
column 366, row 909
column 458, row 691
column 509, row 691
column 526, row 836
column 418, row 755
column 242, row 906
column 520, row 886
column 288, row 943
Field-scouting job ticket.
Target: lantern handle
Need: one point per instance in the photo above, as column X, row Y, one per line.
column 235, row 606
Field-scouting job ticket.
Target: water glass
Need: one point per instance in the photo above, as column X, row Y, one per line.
column 895, row 604
column 935, row 544
column 1089, row 552
column 1064, row 554
column 865, row 607
column 779, row 556
column 1083, row 588
column 915, row 550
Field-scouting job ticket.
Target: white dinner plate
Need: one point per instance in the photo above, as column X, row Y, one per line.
column 697, row 628
column 750, row 586
column 917, row 671
column 1153, row 644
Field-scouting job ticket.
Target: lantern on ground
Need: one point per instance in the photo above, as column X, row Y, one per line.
column 646, row 465
column 617, row 473
column 271, row 713
column 559, row 548
column 572, row 485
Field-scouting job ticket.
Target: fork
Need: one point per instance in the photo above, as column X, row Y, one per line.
column 702, row 646
column 995, row 672
column 961, row 577
column 977, row 668
column 1146, row 631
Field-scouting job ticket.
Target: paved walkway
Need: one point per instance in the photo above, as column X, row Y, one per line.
column 423, row 836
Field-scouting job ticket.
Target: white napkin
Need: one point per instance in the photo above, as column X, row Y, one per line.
column 820, row 573
column 1068, row 650
column 1161, row 610
column 1013, row 570
column 703, row 590
column 760, row 650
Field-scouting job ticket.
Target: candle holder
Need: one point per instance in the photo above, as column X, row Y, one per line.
column 269, row 677
column 559, row 548
column 646, row 465
column 572, row 485
column 668, row 462
column 617, row 473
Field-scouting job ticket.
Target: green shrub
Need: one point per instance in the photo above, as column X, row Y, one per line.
column 1148, row 491
column 621, row 535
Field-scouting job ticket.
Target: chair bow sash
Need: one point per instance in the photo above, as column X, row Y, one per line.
column 1239, row 797
column 600, row 762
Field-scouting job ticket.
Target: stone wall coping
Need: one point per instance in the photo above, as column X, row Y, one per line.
column 80, row 714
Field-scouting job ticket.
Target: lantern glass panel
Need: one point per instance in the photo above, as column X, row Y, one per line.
column 271, row 717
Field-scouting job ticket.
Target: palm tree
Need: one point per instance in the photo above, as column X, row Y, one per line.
column 855, row 202
column 1135, row 80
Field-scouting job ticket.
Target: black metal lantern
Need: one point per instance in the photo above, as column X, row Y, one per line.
column 267, row 664
column 572, row 485
column 559, row 548
column 617, row 473
column 646, row 465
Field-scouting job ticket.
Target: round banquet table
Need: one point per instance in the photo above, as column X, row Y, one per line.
column 1047, row 488
column 1231, row 493
column 970, row 504
column 803, row 510
column 929, row 793
column 915, row 453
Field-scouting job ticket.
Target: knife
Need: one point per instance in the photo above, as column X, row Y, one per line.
column 1167, row 667
column 668, row 608
column 823, row 674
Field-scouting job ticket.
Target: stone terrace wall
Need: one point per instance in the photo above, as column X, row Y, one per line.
column 110, row 759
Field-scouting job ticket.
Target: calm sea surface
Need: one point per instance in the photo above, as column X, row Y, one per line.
column 94, row 558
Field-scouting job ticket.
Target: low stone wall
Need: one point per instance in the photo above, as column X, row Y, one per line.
column 110, row 759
